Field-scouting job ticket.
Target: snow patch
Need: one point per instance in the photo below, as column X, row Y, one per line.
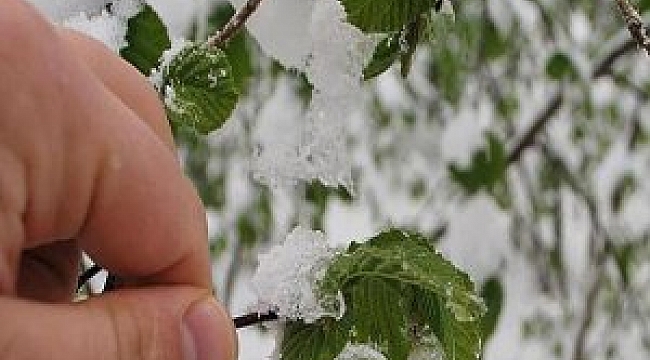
column 287, row 277
column 360, row 352
column 108, row 28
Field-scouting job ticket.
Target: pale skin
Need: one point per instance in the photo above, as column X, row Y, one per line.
column 87, row 163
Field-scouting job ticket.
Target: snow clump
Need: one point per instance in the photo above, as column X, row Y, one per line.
column 315, row 38
column 107, row 27
column 288, row 274
column 360, row 352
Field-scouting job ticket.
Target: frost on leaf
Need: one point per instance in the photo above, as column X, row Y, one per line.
column 360, row 352
column 288, row 274
column 110, row 28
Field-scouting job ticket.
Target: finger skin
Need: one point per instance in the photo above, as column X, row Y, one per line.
column 94, row 170
column 142, row 324
column 123, row 80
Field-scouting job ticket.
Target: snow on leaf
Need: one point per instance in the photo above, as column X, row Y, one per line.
column 110, row 28
column 315, row 38
column 360, row 352
column 287, row 277
column 200, row 91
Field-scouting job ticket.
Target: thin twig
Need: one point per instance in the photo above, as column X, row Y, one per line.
column 602, row 68
column 635, row 24
column 254, row 318
column 235, row 24
column 540, row 122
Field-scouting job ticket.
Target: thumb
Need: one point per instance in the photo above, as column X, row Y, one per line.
column 161, row 323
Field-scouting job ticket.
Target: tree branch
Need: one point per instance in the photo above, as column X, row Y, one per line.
column 235, row 24
column 602, row 68
column 635, row 24
column 254, row 318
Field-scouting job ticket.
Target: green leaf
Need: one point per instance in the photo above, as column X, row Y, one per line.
column 494, row 44
column 486, row 170
column 398, row 292
column 200, row 91
column 492, row 293
column 385, row 15
column 459, row 340
column 147, row 39
column 396, row 286
column 623, row 189
column 372, row 296
column 386, row 52
column 322, row 340
column 237, row 49
column 412, row 34
column 559, row 66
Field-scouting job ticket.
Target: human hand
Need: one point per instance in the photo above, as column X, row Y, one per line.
column 87, row 164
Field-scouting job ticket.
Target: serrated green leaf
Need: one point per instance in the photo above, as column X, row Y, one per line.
column 385, row 15
column 460, row 340
column 386, row 52
column 322, row 340
column 395, row 284
column 199, row 89
column 147, row 38
column 369, row 297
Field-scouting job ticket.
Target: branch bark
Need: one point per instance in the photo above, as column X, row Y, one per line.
column 602, row 68
column 635, row 24
column 234, row 25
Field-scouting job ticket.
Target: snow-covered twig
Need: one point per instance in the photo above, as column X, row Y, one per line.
column 235, row 24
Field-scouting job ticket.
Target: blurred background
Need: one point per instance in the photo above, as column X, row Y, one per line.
column 519, row 143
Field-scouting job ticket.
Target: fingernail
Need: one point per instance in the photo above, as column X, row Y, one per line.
column 203, row 333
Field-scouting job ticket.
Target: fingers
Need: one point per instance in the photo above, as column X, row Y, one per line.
column 93, row 169
column 49, row 273
column 163, row 323
column 123, row 80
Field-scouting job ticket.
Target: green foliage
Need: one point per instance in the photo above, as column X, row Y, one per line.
column 493, row 44
column 486, row 170
column 385, row 15
column 559, row 66
column 386, row 52
column 492, row 293
column 147, row 39
column 237, row 49
column 397, row 290
column 200, row 90
column 623, row 189
column 321, row 341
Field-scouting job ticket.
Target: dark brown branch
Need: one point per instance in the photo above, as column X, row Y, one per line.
column 253, row 319
column 540, row 122
column 235, row 24
column 603, row 68
column 635, row 24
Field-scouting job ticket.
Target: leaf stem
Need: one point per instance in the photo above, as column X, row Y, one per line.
column 233, row 25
